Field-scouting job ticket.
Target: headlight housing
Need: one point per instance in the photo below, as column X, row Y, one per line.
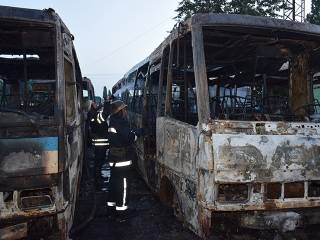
column 233, row 192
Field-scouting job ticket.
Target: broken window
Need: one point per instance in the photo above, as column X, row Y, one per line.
column 183, row 91
column 87, row 89
column 259, row 75
column 137, row 102
column 71, row 92
column 163, row 81
column 128, row 89
column 27, row 69
column 150, row 114
column 152, row 89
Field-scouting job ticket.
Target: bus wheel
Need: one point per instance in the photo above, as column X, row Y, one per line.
column 176, row 206
column 168, row 195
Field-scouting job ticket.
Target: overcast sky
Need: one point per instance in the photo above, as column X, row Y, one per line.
column 112, row 35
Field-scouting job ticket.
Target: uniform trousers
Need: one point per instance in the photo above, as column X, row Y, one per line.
column 119, row 186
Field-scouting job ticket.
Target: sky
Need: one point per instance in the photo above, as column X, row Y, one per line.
column 111, row 36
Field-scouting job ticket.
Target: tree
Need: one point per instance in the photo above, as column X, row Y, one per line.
column 314, row 16
column 187, row 8
column 270, row 8
column 105, row 93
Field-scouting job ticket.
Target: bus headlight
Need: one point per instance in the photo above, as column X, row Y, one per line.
column 237, row 192
column 38, row 198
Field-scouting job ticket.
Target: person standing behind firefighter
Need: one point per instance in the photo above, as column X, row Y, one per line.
column 100, row 141
column 120, row 156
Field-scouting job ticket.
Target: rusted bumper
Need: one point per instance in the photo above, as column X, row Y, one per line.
column 283, row 221
column 17, row 231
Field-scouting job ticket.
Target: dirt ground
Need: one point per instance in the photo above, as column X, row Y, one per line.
column 148, row 218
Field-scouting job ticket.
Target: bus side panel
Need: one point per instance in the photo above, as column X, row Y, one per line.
column 176, row 154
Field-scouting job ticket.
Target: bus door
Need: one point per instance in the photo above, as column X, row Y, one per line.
column 176, row 124
column 73, row 132
column 149, row 122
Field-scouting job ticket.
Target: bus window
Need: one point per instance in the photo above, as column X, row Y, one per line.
column 71, row 93
column 28, row 71
column 137, row 102
column 1, row 90
column 163, row 81
column 316, row 92
column 247, row 83
column 126, row 90
column 183, row 101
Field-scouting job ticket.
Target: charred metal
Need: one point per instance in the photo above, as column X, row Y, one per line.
column 41, row 124
column 237, row 122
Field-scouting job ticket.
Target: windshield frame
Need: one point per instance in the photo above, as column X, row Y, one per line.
column 51, row 30
column 201, row 67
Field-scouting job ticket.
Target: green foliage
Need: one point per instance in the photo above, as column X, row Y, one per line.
column 314, row 16
column 269, row 8
column 187, row 8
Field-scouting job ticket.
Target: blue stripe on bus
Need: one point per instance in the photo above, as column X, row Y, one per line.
column 46, row 143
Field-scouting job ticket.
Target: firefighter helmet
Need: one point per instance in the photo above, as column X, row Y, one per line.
column 117, row 106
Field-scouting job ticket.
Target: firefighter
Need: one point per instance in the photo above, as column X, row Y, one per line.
column 100, row 142
column 120, row 156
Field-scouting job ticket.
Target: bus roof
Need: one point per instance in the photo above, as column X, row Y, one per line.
column 215, row 19
column 236, row 20
column 231, row 20
column 48, row 16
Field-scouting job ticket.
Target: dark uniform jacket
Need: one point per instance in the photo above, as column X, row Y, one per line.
column 119, row 132
column 98, row 124
column 120, row 137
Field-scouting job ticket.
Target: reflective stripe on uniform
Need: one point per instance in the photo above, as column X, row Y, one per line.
column 120, row 164
column 122, row 208
column 123, row 164
column 111, row 204
column 101, row 140
column 101, row 117
column 92, row 120
column 124, row 191
column 101, row 144
column 112, row 130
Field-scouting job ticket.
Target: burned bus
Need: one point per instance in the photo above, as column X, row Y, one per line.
column 41, row 125
column 230, row 104
column 88, row 89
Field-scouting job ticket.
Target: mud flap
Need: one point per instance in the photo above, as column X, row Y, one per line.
column 204, row 218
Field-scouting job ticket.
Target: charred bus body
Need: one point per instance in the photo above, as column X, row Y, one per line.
column 88, row 89
column 41, row 124
column 231, row 107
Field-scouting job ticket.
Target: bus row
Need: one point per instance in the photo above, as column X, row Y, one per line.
column 230, row 105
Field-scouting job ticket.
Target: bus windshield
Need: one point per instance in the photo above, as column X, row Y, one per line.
column 27, row 70
column 260, row 76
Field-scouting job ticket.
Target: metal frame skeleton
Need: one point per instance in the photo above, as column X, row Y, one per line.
column 235, row 136
column 41, row 125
